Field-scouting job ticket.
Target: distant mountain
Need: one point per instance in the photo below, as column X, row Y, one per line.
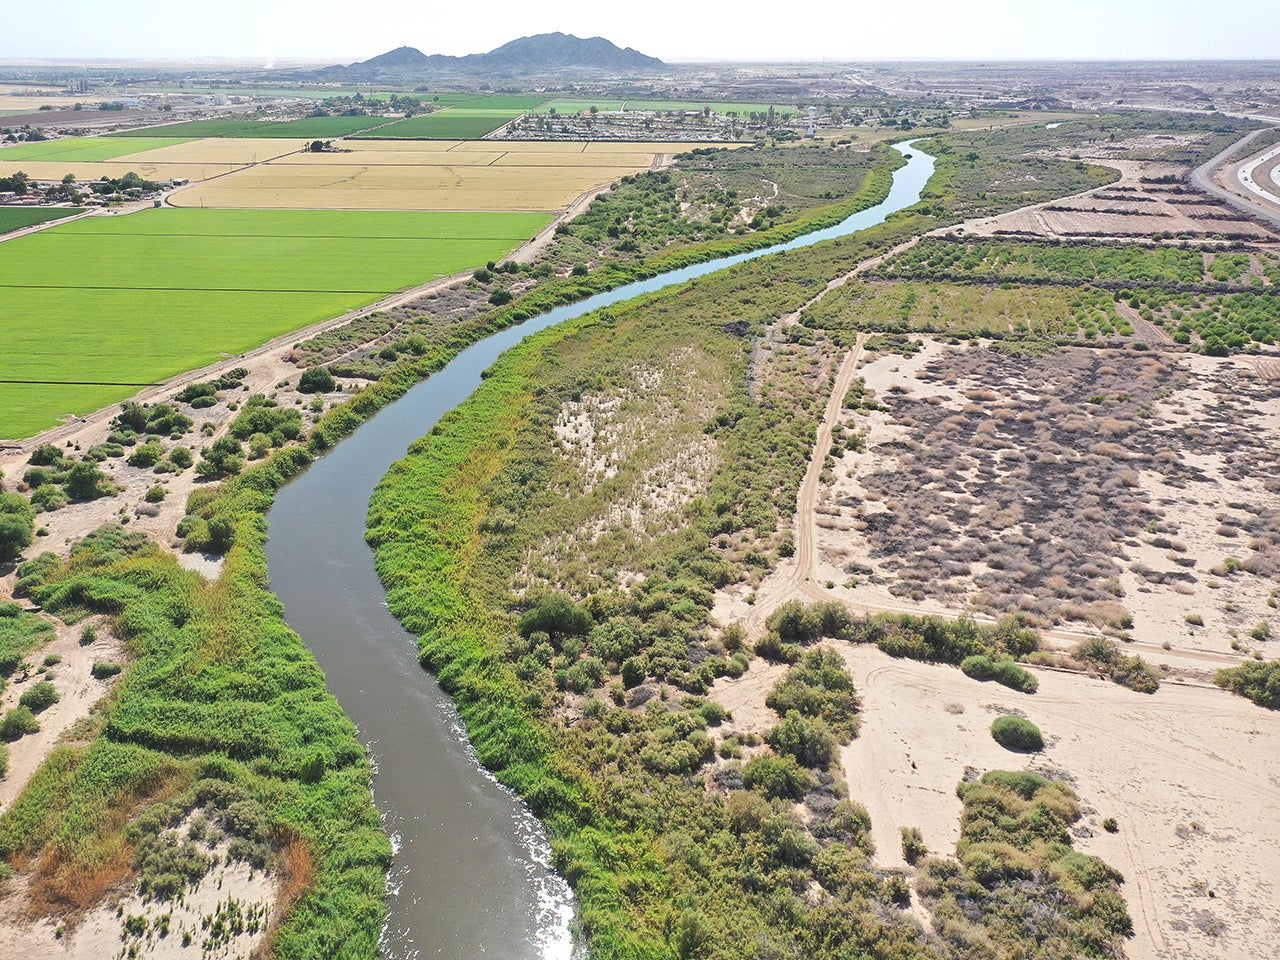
column 399, row 60
column 547, row 53
column 553, row 51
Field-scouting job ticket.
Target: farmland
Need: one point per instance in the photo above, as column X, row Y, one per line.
column 15, row 218
column 435, row 175
column 153, row 158
column 164, row 291
column 456, row 123
column 306, row 128
column 86, row 148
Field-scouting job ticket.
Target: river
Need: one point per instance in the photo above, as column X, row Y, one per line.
column 471, row 872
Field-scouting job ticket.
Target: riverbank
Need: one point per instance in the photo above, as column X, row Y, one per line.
column 238, row 579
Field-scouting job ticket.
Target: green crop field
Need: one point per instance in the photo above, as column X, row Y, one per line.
column 307, row 128
column 456, row 123
column 89, row 149
column 578, row 106
column 515, row 103
column 317, row 224
column 782, row 110
column 15, row 218
column 159, row 292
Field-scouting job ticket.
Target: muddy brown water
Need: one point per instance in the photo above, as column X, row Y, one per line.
column 471, row 873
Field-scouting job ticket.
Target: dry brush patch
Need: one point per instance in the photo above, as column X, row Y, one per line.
column 1024, row 483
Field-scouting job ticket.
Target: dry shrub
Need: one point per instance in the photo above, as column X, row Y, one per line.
column 66, row 889
column 296, row 877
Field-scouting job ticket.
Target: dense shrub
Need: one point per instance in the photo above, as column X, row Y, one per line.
column 316, row 380
column 1002, row 671
column 39, row 697
column 776, row 777
column 18, row 722
column 1128, row 671
column 1017, row 733
column 913, row 846
column 1257, row 681
column 819, row 687
column 807, row 739
column 17, row 524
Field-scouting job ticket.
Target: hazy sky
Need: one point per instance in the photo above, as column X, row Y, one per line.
column 964, row 29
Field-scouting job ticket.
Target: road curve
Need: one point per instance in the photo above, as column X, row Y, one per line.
column 1202, row 177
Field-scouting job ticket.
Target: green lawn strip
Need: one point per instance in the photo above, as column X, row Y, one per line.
column 307, row 128
column 15, row 218
column 89, row 149
column 456, row 123
column 29, row 409
column 782, row 110
column 140, row 336
column 334, row 224
column 250, row 264
column 224, row 709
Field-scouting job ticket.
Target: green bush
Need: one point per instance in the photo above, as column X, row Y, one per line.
column 17, row 524
column 1017, row 733
column 1002, row 671
column 819, row 687
column 557, row 616
column 102, row 669
column 778, row 777
column 807, row 739
column 913, row 846
column 633, row 672
column 316, row 380
column 18, row 722
column 1257, row 681
column 39, row 697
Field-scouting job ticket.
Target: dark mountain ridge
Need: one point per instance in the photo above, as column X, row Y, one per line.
column 547, row 53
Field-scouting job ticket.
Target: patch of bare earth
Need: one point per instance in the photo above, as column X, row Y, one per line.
column 78, row 690
column 1122, row 491
column 1177, row 770
column 226, row 916
column 1086, row 488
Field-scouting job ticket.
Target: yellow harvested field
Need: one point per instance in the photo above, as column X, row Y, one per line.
column 385, row 187
column 33, row 104
column 430, row 175
column 85, row 170
column 407, row 158
column 197, row 160
column 218, row 150
column 627, row 162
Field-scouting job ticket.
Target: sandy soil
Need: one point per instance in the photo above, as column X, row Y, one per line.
column 1177, row 769
column 77, row 690
column 1230, row 605
column 238, row 896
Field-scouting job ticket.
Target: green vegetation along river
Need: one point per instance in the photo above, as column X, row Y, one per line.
column 471, row 873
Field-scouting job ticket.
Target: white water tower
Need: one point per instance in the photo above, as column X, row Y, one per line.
column 813, row 115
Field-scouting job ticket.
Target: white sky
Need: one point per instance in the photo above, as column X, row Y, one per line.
column 804, row 29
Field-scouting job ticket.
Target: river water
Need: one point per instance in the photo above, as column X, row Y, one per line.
column 471, row 872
